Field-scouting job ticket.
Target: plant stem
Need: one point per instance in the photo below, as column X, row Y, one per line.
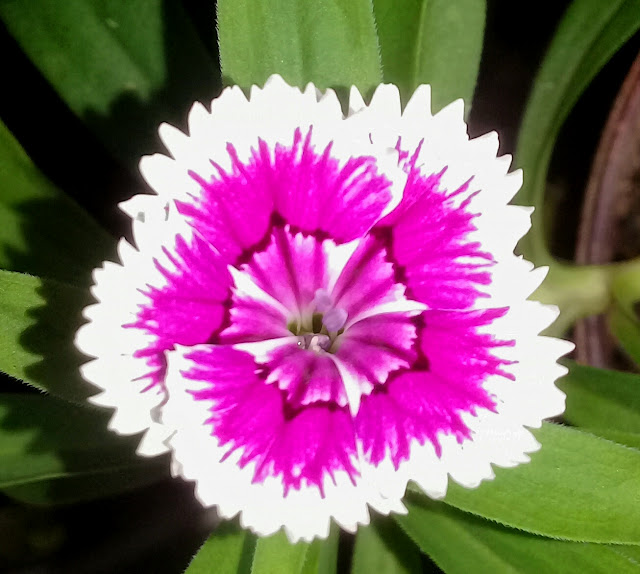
column 583, row 290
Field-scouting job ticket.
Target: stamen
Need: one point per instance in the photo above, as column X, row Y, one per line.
column 314, row 342
column 322, row 301
column 334, row 319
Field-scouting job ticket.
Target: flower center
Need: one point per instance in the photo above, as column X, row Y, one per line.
column 313, row 342
column 333, row 318
column 325, row 322
column 321, row 329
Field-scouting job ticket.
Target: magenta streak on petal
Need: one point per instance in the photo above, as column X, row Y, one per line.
column 413, row 406
column 377, row 346
column 251, row 417
column 306, row 376
column 427, row 238
column 457, row 350
column 372, row 348
column 310, row 191
column 429, row 401
column 233, row 212
column 291, row 269
column 251, row 321
column 314, row 193
column 189, row 309
column 368, row 280
column 272, row 219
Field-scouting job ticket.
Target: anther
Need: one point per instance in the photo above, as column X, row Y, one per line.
column 314, row 342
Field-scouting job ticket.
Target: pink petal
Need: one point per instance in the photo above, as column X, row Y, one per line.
column 306, row 376
column 377, row 346
column 251, row 416
column 446, row 381
column 189, row 309
column 291, row 269
column 427, row 238
column 316, row 194
column 367, row 280
column 296, row 185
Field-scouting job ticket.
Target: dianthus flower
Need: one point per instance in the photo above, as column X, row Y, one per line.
column 320, row 308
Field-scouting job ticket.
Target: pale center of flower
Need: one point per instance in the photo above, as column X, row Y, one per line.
column 320, row 329
column 333, row 318
column 314, row 342
column 326, row 322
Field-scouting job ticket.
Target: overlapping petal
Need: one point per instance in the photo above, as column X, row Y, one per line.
column 324, row 307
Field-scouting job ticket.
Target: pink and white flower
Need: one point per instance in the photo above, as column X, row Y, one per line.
column 321, row 308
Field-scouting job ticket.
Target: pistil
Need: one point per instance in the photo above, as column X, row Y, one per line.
column 314, row 342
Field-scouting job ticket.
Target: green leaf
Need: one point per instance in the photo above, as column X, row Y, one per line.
column 435, row 42
column 578, row 487
column 382, row 547
column 232, row 550
column 276, row 555
column 621, row 437
column 44, row 438
column 590, row 33
column 229, row 550
column 322, row 555
column 599, row 398
column 123, row 67
column 42, row 231
column 630, row 552
column 89, row 486
column 623, row 318
column 462, row 543
column 332, row 43
column 625, row 326
column 39, row 320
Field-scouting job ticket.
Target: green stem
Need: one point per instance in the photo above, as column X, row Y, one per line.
column 580, row 291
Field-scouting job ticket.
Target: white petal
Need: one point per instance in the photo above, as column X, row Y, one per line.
column 245, row 287
column 171, row 416
column 386, row 101
column 418, row 109
column 356, row 103
column 221, row 481
column 178, row 143
column 168, row 178
column 352, row 385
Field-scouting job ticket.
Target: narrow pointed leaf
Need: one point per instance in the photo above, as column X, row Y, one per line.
column 600, row 398
column 89, row 486
column 43, row 438
column 590, row 33
column 625, row 326
column 43, row 231
column 460, row 543
column 630, row 439
column 322, row 555
column 383, row 547
column 332, row 43
column 577, row 487
column 630, row 552
column 276, row 555
column 123, row 67
column 229, row 550
column 435, row 42
column 39, row 320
